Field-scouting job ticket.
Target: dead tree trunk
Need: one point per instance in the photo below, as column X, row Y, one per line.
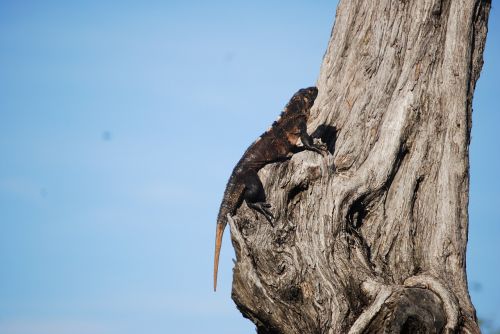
column 372, row 238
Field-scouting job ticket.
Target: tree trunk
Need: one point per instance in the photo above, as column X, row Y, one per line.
column 372, row 237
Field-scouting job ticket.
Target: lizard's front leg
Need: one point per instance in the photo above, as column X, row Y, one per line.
column 308, row 142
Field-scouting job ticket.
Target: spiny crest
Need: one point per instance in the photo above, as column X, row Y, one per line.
column 301, row 101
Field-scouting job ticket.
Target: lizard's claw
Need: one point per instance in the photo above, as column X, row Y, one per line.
column 318, row 148
column 263, row 208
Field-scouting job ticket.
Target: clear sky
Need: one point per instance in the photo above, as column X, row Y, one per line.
column 120, row 122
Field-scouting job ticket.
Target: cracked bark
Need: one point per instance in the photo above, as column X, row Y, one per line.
column 372, row 237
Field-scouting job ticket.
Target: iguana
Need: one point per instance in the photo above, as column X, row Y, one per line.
column 278, row 143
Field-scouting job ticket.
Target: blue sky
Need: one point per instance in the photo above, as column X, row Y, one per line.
column 120, row 123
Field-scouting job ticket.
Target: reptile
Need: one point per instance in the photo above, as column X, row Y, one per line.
column 278, row 143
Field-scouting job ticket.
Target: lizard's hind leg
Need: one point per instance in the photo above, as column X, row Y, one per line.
column 255, row 196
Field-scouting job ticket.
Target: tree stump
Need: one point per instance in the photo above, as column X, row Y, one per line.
column 372, row 237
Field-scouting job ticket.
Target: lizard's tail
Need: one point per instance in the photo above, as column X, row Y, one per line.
column 218, row 242
column 232, row 199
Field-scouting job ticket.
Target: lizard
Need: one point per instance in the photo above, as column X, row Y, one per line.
column 278, row 143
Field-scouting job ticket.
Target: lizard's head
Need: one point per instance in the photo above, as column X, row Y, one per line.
column 307, row 95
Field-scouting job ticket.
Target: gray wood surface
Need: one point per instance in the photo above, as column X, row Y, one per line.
column 372, row 238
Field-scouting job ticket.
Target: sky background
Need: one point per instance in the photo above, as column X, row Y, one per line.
column 120, row 123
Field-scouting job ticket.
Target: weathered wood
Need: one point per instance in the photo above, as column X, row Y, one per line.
column 372, row 238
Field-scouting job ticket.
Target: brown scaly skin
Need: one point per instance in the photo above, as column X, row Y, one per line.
column 276, row 144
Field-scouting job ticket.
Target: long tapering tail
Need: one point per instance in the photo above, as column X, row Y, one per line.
column 232, row 199
column 218, row 242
